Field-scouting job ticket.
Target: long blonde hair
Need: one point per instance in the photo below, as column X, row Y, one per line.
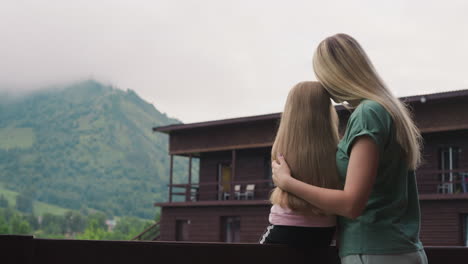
column 346, row 72
column 307, row 137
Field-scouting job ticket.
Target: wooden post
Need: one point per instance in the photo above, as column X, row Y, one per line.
column 233, row 172
column 189, row 186
column 170, row 177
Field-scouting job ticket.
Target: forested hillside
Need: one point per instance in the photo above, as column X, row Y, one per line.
column 86, row 146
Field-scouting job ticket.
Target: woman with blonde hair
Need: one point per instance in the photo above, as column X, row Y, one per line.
column 378, row 208
column 308, row 135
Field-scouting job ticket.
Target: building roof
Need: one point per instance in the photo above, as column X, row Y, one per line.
column 408, row 99
column 435, row 96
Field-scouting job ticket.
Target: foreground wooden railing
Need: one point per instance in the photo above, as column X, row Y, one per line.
column 27, row 250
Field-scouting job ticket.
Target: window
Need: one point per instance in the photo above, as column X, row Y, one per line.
column 465, row 229
column 448, row 161
column 182, row 230
column 224, row 181
column 230, row 229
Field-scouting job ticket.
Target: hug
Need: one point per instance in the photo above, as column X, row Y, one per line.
column 359, row 189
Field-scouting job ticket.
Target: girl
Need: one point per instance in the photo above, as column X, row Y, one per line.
column 378, row 208
column 308, row 136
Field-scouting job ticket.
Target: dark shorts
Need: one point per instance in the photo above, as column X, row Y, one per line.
column 298, row 236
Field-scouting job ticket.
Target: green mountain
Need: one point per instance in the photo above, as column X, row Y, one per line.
column 86, row 145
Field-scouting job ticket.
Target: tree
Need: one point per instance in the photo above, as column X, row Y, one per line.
column 53, row 224
column 94, row 231
column 74, row 222
column 32, row 220
column 24, row 203
column 4, row 228
column 19, row 226
column 3, row 202
column 99, row 218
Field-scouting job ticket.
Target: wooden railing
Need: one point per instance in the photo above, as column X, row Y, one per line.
column 28, row 250
column 214, row 191
column 151, row 233
column 449, row 182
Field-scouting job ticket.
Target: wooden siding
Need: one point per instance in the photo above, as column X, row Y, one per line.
column 209, row 173
column 433, row 142
column 430, row 117
column 250, row 165
column 441, row 115
column 205, row 222
column 441, row 222
column 443, row 123
column 227, row 137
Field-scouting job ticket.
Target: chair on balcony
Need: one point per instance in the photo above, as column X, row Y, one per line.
column 237, row 192
column 250, row 191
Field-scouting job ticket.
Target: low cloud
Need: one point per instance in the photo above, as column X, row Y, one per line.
column 203, row 60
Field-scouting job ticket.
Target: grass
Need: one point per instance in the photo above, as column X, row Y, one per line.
column 40, row 208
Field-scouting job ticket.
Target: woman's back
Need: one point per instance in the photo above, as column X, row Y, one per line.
column 390, row 221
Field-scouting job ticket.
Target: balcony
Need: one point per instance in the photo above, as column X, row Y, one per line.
column 252, row 190
column 443, row 184
column 27, row 250
column 432, row 184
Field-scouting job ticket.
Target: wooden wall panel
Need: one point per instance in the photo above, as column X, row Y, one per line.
column 438, row 115
column 205, row 223
column 432, row 144
column 430, row 117
column 225, row 136
column 441, row 222
column 209, row 173
column 250, row 165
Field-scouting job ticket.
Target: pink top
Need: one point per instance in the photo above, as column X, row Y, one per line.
column 287, row 217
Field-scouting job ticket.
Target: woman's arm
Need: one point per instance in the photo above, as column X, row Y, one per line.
column 349, row 202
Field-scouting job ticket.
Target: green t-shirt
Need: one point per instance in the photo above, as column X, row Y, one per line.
column 390, row 222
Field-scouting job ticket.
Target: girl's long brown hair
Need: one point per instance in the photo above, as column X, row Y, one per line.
column 307, row 137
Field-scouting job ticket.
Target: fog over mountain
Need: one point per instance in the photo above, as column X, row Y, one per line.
column 87, row 145
column 208, row 59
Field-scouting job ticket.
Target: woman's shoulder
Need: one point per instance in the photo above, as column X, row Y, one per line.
column 368, row 104
column 371, row 108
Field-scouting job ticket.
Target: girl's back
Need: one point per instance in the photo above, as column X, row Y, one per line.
column 308, row 136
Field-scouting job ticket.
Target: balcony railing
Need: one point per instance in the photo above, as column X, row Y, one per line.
column 432, row 182
column 216, row 191
column 150, row 233
column 449, row 182
column 28, row 250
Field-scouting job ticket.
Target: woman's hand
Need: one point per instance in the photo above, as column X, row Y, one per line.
column 281, row 173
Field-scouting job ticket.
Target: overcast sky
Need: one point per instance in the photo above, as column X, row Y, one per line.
column 205, row 60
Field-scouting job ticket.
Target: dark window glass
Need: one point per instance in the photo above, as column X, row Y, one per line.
column 465, row 230
column 230, row 231
column 182, row 230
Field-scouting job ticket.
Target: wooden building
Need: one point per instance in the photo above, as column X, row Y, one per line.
column 229, row 203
